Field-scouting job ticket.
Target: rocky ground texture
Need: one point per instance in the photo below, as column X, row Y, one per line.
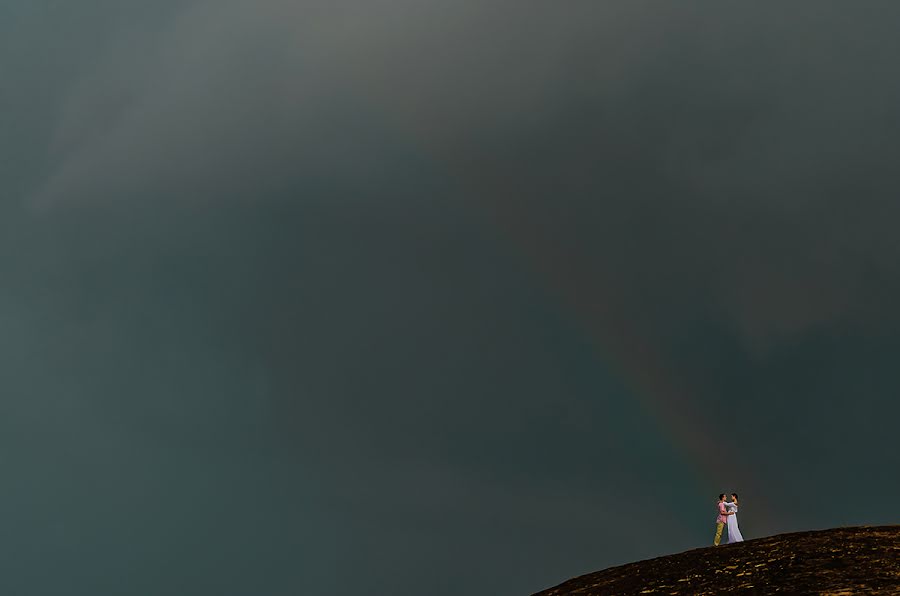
column 859, row 560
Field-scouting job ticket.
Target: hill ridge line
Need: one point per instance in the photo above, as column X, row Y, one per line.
column 861, row 559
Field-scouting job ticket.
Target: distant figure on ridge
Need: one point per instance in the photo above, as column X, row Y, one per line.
column 734, row 533
column 721, row 520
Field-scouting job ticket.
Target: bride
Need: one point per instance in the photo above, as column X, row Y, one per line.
column 734, row 533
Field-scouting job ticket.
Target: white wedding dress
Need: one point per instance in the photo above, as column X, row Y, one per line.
column 734, row 533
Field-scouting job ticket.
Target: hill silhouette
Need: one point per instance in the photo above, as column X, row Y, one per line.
column 855, row 560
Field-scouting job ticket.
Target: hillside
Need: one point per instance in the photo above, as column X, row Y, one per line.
column 857, row 560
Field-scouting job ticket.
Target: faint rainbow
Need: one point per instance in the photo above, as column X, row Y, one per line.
column 652, row 383
column 643, row 370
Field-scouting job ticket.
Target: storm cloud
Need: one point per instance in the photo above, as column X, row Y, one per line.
column 423, row 298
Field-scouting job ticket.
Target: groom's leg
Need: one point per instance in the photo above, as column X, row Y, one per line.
column 719, row 527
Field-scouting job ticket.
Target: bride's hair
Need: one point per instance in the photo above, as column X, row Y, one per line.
column 734, row 495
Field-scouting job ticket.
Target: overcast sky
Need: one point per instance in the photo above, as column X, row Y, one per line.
column 407, row 297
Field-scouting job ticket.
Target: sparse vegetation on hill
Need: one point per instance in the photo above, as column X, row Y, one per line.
column 859, row 560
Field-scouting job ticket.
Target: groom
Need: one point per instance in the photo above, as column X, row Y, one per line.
column 721, row 519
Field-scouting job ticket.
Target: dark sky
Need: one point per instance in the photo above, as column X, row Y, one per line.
column 412, row 298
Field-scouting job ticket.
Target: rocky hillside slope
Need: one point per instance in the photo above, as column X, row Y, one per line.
column 859, row 560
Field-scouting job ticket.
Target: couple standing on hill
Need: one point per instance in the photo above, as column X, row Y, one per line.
column 728, row 517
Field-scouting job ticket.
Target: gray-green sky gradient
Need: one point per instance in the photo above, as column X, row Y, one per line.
column 411, row 298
